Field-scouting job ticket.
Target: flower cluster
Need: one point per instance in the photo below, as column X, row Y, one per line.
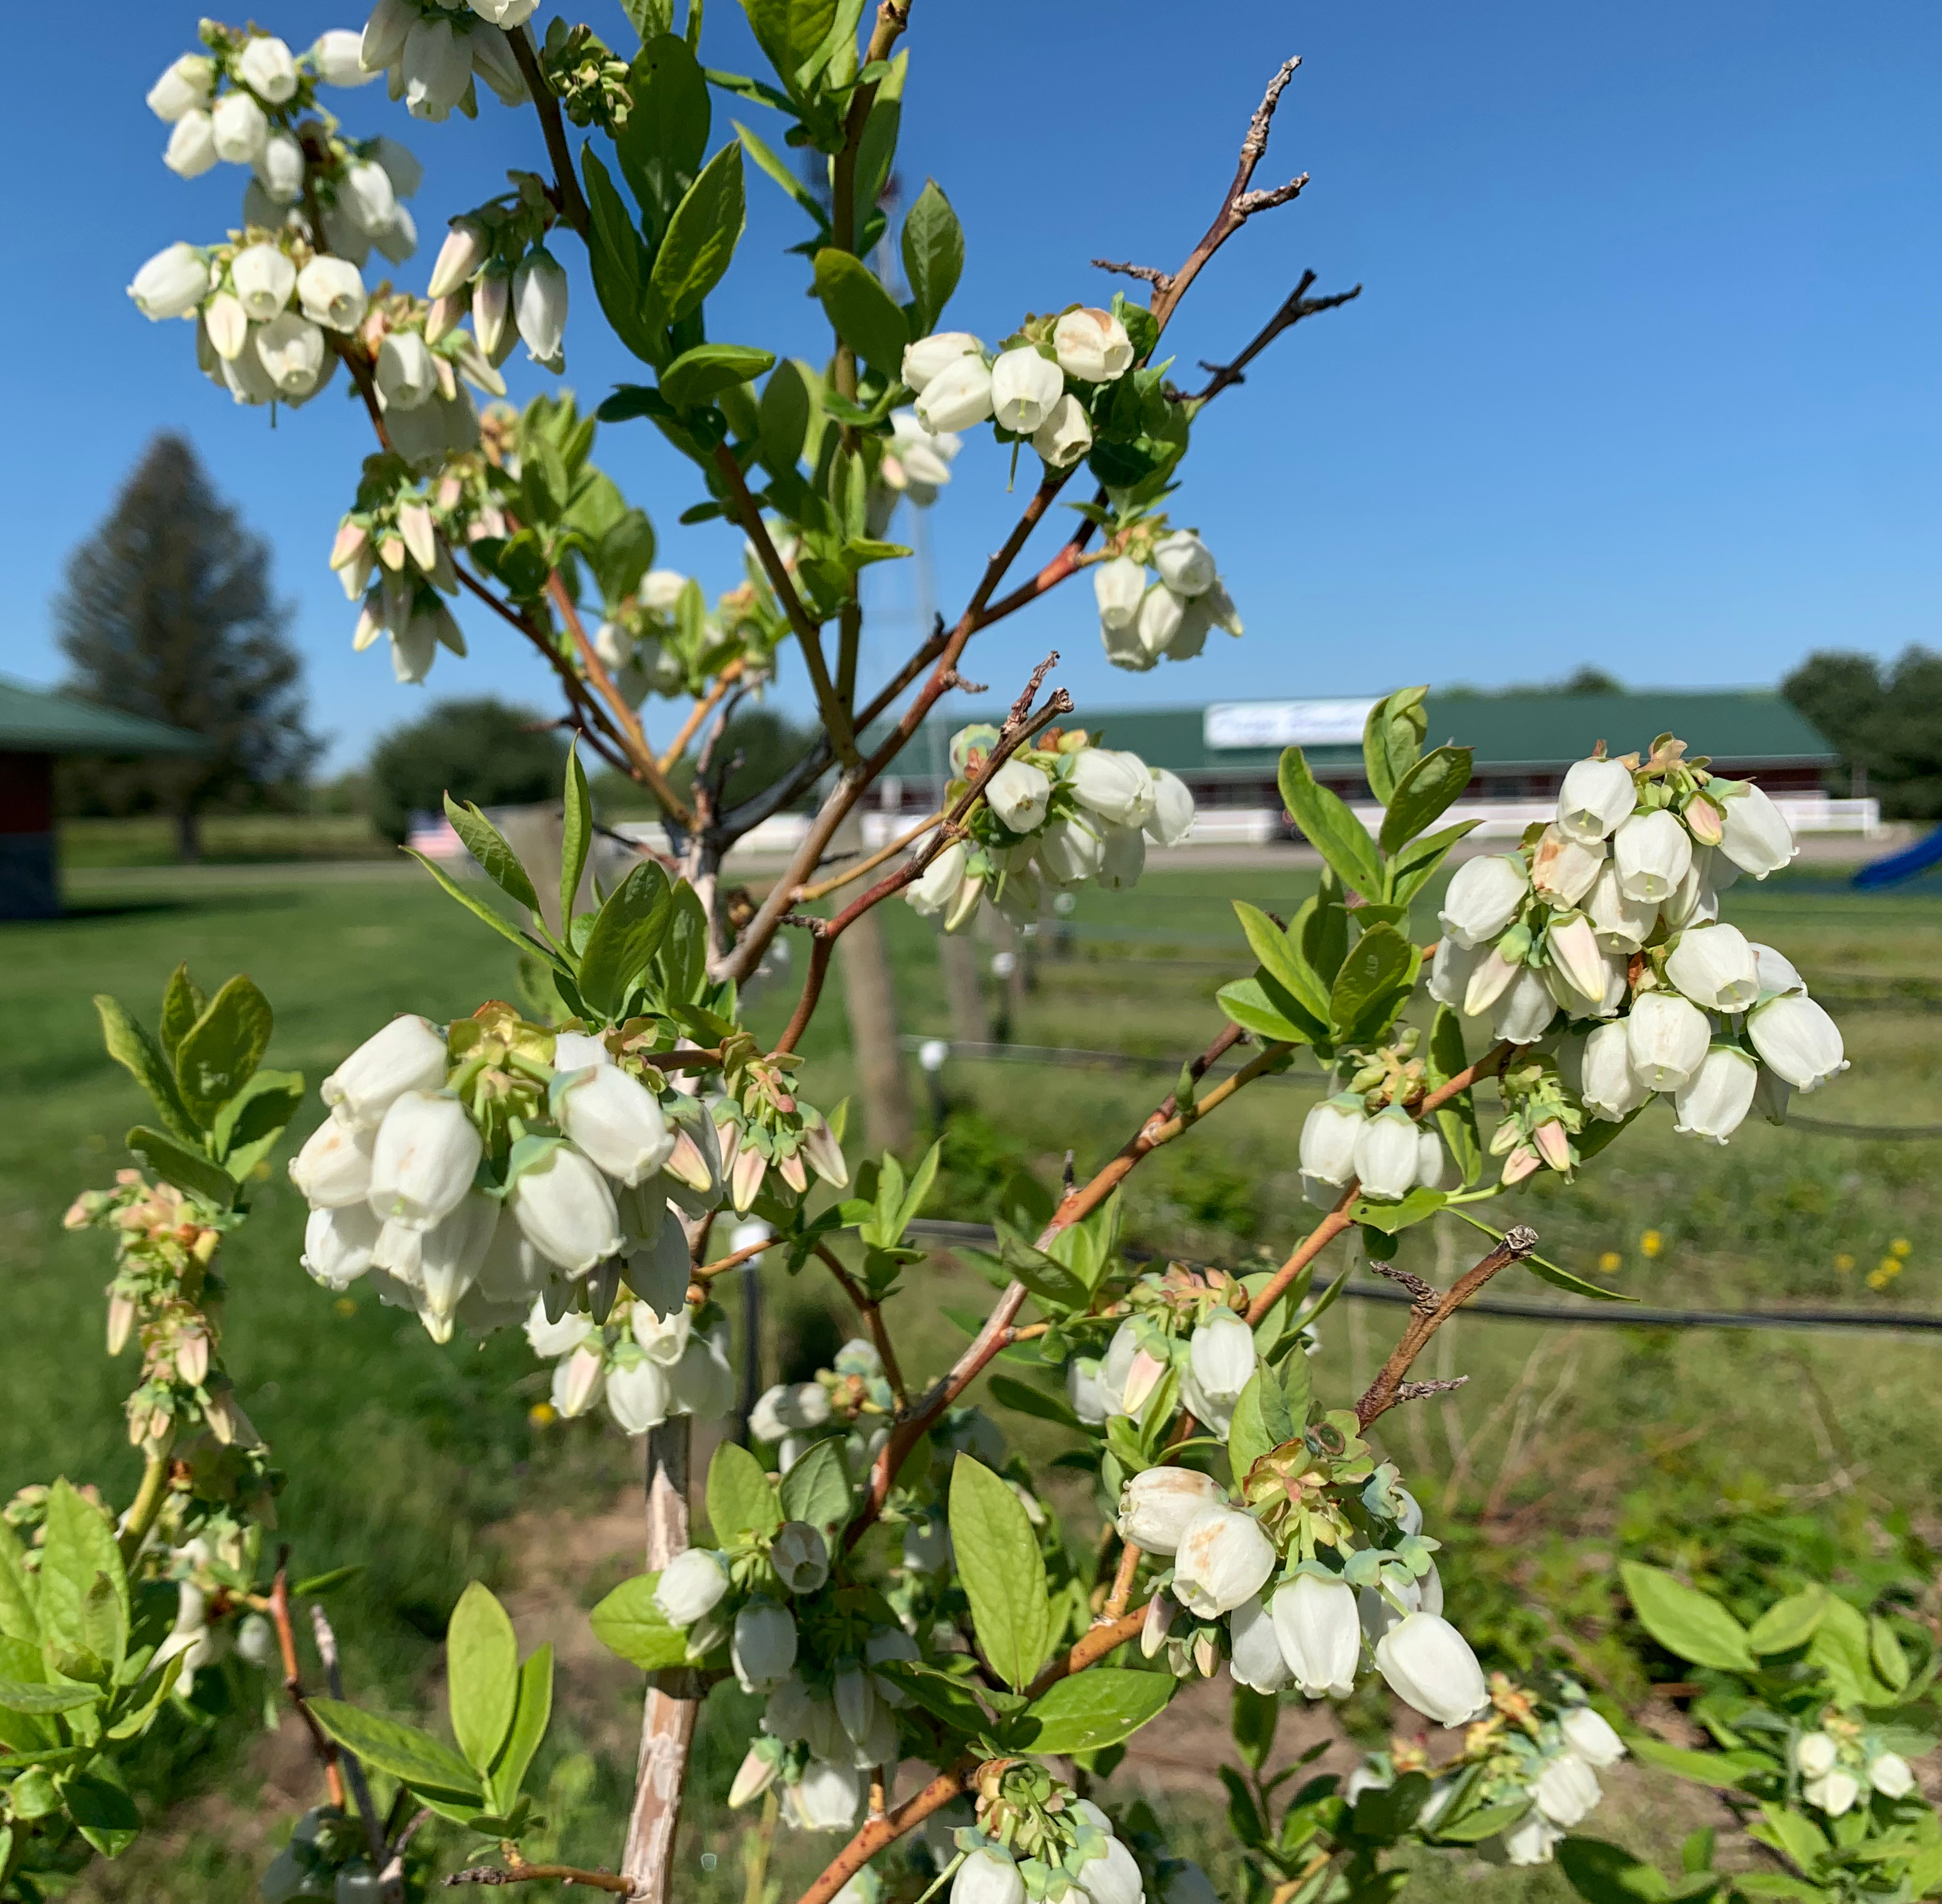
column 1840, row 1761
column 1141, row 623
column 1540, row 1751
column 494, row 260
column 649, row 1359
column 1034, row 1838
column 1059, row 812
column 430, row 53
column 1364, row 1132
column 1607, row 921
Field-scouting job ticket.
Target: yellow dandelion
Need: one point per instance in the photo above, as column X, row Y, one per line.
column 1610, row 1263
column 1901, row 1246
column 343, row 1306
column 542, row 1414
column 1885, row 1272
column 1845, row 1263
column 1651, row 1243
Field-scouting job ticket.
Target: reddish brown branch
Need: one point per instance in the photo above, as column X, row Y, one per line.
column 321, row 1742
column 872, row 1312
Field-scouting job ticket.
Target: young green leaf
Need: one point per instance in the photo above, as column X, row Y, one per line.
column 664, row 138
column 1089, row 1709
column 1329, row 827
column 933, row 255
column 1685, row 1622
column 1373, row 986
column 1392, row 736
column 863, row 313
column 741, row 1498
column 621, row 264
column 246, row 1128
column 1259, row 1005
column 708, row 369
column 1413, row 868
column 19, row 1592
column 186, row 1169
column 1254, row 1719
column 790, row 32
column 490, row 848
column 702, row 237
column 102, row 1812
column 1789, row 1622
column 1430, row 788
column 1261, row 1421
column 182, row 1004
column 782, row 419
column 130, row 1046
column 1607, row 1873
column 628, row 1622
column 481, row 1657
column 627, row 931
column 79, row 1547
column 1281, row 958
column 1457, row 1118
column 576, row 837
column 532, row 1713
column 431, row 1769
column 1003, row 1572
column 816, row 1488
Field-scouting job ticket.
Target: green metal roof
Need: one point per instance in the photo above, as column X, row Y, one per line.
column 1750, row 730
column 33, row 720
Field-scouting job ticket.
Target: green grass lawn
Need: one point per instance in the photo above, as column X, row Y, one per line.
column 422, row 1462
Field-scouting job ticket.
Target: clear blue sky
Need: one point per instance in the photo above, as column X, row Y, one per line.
column 1645, row 372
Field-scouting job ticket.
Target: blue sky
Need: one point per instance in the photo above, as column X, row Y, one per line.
column 1645, row 370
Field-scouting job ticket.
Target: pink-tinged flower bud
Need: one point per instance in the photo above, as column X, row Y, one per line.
column 1564, row 868
column 756, row 1773
column 539, row 306
column 1484, row 898
column 339, row 1244
column 120, row 1323
column 1143, row 1377
column 577, row 1381
column 492, row 313
column 1523, row 1161
column 801, row 1558
column 186, row 86
column 1065, row 435
column 563, row 1204
column 1161, row 1610
column 420, row 534
column 1797, row 1041
column 930, row 356
column 1609, row 1086
column 229, row 1424
column 963, row 909
column 1386, row 1154
column 1667, row 1038
column 1623, row 924
column 794, row 1171
column 959, row 396
column 1596, row 796
column 1092, row 344
column 1553, row 1145
column 1320, row 1634
column 332, row 292
column 407, row 1055
column 446, row 316
column 987, row 1876
column 1429, row 1665
column 333, row 1170
column 466, row 249
column 1651, row 853
column 1157, row 1506
column 239, row 129
column 1714, row 967
column 1753, row 832
column 1704, row 820
column 1575, row 953
column 763, row 1648
column 745, row 1178
column 1589, row 1735
column 423, row 1161
column 1222, row 1559
column 686, row 1163
column 825, row 1154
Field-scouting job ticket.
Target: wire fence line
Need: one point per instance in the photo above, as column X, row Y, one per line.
column 1623, row 1315
column 1070, row 1057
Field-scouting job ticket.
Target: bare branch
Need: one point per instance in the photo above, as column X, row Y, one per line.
column 1148, row 273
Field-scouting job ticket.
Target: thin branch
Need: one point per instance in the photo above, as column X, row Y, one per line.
column 872, row 1312
column 1295, row 308
column 747, row 1253
column 325, row 1746
column 493, row 1876
column 698, row 713
column 822, row 889
column 1123, row 1582
column 1148, row 273
column 566, row 186
column 325, row 1640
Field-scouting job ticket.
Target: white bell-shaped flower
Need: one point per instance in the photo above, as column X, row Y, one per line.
column 1065, row 435
column 449, row 1256
column 1185, row 564
column 1159, row 1504
column 1123, row 860
column 1835, row 1792
column 1609, row 1086
column 1430, row 1160
column 1754, row 834
column 1084, row 1391
column 1667, row 1038
column 1069, row 851
column 1386, row 1154
column 1816, row 1754
column 1429, row 1665
column 1776, row 972
column 494, row 60
column 958, row 396
column 264, row 279
column 801, row 1557
column 337, row 58
column 1024, row 388
column 539, row 305
column 564, row 1206
column 578, row 1380
column 637, row 1396
column 1171, row 819
column 1091, row 345
column 788, row 1408
column 550, row 1339
column 186, row 86
column 1589, row 1735
column 406, row 376
column 1017, row 793
column 1222, row 1559
column 1453, row 968
column 1596, row 796
column 171, row 284
column 763, row 1648
column 280, row 170
column 1221, row 1354
column 293, row 352
column 1714, row 967
column 267, row 67
column 436, row 64
column 512, row 1271
column 238, row 127
column 1651, row 853
column 1320, row 1635
column 616, row 1120
column 332, row 292
column 338, row 1243
column 826, row 1798
column 1256, row 1659
column 930, row 356
column 1694, row 901
column 191, row 151
column 1566, row 1789
column 703, row 1381
column 1797, row 1040
column 1483, row 898
column 1119, row 586
column 1564, row 868
column 691, row 1586
column 987, row 1876
column 1622, row 924
column 1112, row 1874
column 1114, row 785
column 1162, row 613
column 423, row 1161
column 333, row 1170
column 1890, row 1775
column 936, row 888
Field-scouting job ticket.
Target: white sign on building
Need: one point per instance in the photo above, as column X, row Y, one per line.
column 1285, row 723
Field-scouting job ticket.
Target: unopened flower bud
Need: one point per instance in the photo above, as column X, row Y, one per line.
column 1575, row 953
column 756, row 1773
column 788, row 1408
column 825, row 1155
column 1092, row 344
column 466, row 249
column 578, row 1381
column 1320, row 1632
column 1158, row 1505
column 1222, row 1559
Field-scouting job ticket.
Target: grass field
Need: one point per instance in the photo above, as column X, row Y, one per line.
column 424, row 1462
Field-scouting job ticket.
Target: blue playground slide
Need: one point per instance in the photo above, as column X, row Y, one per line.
column 1903, row 865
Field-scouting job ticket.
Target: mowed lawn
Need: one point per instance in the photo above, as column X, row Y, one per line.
column 399, row 1453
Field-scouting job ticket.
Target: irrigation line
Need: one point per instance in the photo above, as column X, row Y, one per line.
column 1623, row 1315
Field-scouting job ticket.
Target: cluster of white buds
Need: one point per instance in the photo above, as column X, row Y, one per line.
column 515, row 286
column 1838, row 1764
column 1059, row 812
column 1541, row 1752
column 1035, row 1838
column 1355, row 1134
column 430, row 52
column 639, row 647
column 1142, row 622
column 1607, row 921
column 475, row 1170
column 646, row 1362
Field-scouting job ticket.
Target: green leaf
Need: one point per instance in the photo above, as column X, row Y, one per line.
column 186, row 1169
column 103, row 1813
column 130, row 1046
column 1047, row 1278
column 650, row 17
column 1789, row 1622
column 1262, row 1420
column 941, row 1694
column 1798, row 1836
column 1026, row 1400
column 1392, row 1218
column 741, row 1498
column 864, row 314
column 1457, row 1120
column 933, row 255
column 628, row 1622
column 912, row 1200
column 481, row 1657
column 482, row 911
column 1686, row 1622
column 783, row 425
column 1003, row 1573
column 1427, row 790
column 79, row 1547
column 182, row 1004
column 621, row 264
column 246, row 1128
column 1373, row 985
column 702, row 237
column 532, row 1713
column 707, row 370
column 1259, row 1005
column 1777, row 1884
column 1099, row 1707
column 1282, row 959
column 489, row 847
column 624, row 554
column 413, row 1757
column 1608, row 1874
column 816, row 1488
column 575, row 838
column 778, row 169
column 1254, row 1718
column 790, row 31
column 626, row 933
column 1329, row 827
column 1890, row 1663
column 1544, row 1270
column 664, row 140
column 1415, row 866
column 19, row 1615
column 17, row 1695
column 1840, row 1648
column 218, row 1052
